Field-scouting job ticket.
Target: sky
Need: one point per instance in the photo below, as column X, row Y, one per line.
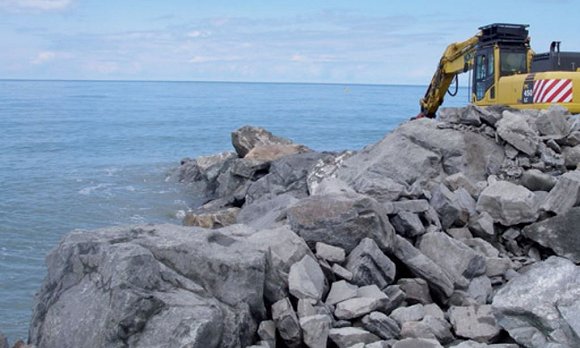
column 363, row 41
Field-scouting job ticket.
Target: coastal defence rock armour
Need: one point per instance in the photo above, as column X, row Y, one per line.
column 444, row 233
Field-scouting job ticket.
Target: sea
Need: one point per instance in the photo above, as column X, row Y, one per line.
column 91, row 154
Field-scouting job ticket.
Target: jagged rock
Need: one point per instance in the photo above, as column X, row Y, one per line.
column 286, row 175
column 272, row 152
column 381, row 344
column 341, row 291
column 515, row 130
column 465, row 201
column 396, row 297
column 369, row 265
column 539, row 308
column 348, row 336
column 552, row 123
column 204, row 168
column 497, row 266
column 419, row 152
column 315, row 330
column 474, row 344
column 564, row 195
column 559, row 233
column 149, row 282
column 216, row 219
column 408, row 224
column 266, row 213
column 412, row 313
column 330, row 253
column 357, row 307
column 474, row 322
column 416, row 290
column 287, row 322
column 423, row 267
column 342, row 272
column 267, row 332
column 246, row 138
column 480, row 289
column 433, row 310
column 571, row 156
column 439, row 327
column 508, row 204
column 304, row 308
column 460, row 233
column 549, row 156
column 481, row 246
column 573, row 138
column 306, row 279
column 535, row 180
column 417, row 343
column 381, row 325
column 456, row 258
column 410, row 206
column 459, row 180
column 447, row 205
column 322, row 179
column 371, row 291
column 341, row 220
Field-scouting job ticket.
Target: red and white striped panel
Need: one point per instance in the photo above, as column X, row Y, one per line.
column 553, row 91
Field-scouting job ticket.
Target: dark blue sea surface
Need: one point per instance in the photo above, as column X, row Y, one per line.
column 89, row 154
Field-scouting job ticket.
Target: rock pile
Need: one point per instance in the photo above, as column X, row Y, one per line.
column 457, row 233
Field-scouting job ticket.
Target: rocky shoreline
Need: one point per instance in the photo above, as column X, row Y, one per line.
column 457, row 232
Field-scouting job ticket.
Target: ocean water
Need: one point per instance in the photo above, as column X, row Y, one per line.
column 90, row 154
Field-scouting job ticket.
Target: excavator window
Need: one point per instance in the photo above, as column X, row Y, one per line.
column 513, row 62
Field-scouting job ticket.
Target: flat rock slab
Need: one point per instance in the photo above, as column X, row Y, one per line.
column 341, row 291
column 356, row 307
column 381, row 325
column 541, row 306
column 474, row 322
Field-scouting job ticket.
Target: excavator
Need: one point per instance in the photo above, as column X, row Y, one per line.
column 506, row 71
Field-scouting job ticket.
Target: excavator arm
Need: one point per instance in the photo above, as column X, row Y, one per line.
column 457, row 58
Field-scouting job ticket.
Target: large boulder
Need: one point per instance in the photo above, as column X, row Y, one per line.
column 342, row 220
column 141, row 286
column 419, row 152
column 515, row 130
column 508, row 204
column 559, row 233
column 540, row 307
column 246, row 138
column 564, row 195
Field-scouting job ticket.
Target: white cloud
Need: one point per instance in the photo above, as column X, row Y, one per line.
column 198, row 34
column 43, row 5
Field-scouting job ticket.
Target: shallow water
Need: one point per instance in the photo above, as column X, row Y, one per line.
column 84, row 155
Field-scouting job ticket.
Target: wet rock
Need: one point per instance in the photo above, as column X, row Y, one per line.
column 330, row 253
column 247, row 138
column 416, row 290
column 412, row 313
column 315, row 330
column 508, row 204
column 456, row 258
column 349, row 336
column 559, row 233
column 287, row 322
column 216, row 219
column 474, row 322
column 423, row 267
column 417, row 343
column 564, row 195
column 535, row 180
column 306, row 279
column 514, row 129
column 341, row 291
column 447, row 205
column 381, row 325
column 369, row 265
column 537, row 307
column 341, row 220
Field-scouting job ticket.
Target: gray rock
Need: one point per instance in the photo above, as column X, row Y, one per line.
column 357, row 307
column 246, row 138
column 559, row 233
column 535, row 180
column 417, row 343
column 416, row 290
column 408, row 224
column 423, row 267
column 381, row 325
column 417, row 329
column 456, row 258
column 497, row 266
column 480, row 289
column 204, row 168
column 409, row 206
column 304, row 308
column 433, row 310
column 460, row 233
column 481, row 246
column 534, row 308
column 150, row 285
column 439, row 327
column 371, row 291
column 349, row 336
column 465, row 201
column 330, row 253
column 342, row 272
column 412, row 313
column 369, row 265
column 447, row 205
column 341, row 220
column 267, row 332
column 266, row 213
column 341, row 291
column 396, row 297
column 287, row 322
column 306, row 279
column 459, row 180
column 329, row 186
column 419, row 152
column 322, row 179
column 474, row 322
column 315, row 330
column 217, row 219
column 552, row 123
column 564, row 195
column 508, row 204
column 381, row 344
column 272, row 152
column 571, row 156
column 514, row 129
column 573, row 139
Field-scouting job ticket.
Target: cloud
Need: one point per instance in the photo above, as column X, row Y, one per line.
column 47, row 56
column 42, row 5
